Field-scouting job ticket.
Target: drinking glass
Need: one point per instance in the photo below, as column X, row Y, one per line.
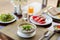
column 30, row 10
column 25, row 15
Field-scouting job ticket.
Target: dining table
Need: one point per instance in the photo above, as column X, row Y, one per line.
column 10, row 30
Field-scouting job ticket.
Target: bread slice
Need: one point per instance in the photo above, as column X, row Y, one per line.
column 54, row 11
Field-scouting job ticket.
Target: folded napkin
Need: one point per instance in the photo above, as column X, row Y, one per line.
column 58, row 38
column 1, row 27
column 54, row 11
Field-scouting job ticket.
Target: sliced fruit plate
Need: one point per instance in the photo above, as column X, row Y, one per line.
column 41, row 20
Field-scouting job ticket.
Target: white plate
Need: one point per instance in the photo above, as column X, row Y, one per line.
column 25, row 35
column 36, row 5
column 48, row 20
column 55, row 17
column 11, row 20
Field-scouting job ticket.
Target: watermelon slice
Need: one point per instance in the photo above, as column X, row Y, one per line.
column 38, row 19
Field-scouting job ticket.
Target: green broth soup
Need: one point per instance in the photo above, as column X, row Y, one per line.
column 27, row 27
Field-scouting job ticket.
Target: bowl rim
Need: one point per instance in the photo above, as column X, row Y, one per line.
column 28, row 31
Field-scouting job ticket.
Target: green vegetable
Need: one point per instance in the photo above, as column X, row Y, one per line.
column 6, row 17
column 27, row 27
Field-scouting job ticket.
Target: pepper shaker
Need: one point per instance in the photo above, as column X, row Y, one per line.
column 44, row 3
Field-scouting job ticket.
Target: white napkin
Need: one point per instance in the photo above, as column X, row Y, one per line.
column 58, row 38
column 1, row 27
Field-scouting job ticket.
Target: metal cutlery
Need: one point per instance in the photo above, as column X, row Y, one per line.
column 47, row 35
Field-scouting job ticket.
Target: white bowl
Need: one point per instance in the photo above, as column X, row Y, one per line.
column 9, row 21
column 48, row 20
column 26, row 34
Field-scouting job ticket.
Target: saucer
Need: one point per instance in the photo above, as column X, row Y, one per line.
column 26, row 35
